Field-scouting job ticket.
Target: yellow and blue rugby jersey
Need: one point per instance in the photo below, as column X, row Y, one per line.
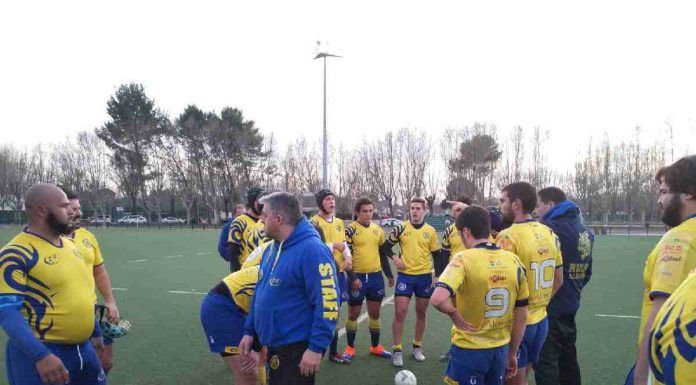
column 452, row 241
column 254, row 259
column 240, row 229
column 242, row 284
column 365, row 242
column 87, row 243
column 538, row 248
column 334, row 232
column 57, row 287
column 417, row 244
column 672, row 343
column 488, row 283
column 667, row 266
column 257, row 236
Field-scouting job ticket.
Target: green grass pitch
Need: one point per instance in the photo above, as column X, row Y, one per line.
column 167, row 345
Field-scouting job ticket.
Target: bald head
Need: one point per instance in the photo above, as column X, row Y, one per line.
column 49, row 208
column 43, row 194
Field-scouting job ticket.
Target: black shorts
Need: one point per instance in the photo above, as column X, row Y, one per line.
column 284, row 362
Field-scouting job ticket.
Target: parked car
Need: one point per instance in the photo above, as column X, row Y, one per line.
column 138, row 219
column 390, row 222
column 100, row 220
column 126, row 218
column 172, row 220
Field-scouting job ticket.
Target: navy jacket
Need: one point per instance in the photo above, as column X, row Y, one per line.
column 576, row 247
column 296, row 297
column 223, row 245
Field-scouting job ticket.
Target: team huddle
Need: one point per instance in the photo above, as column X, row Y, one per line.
column 509, row 277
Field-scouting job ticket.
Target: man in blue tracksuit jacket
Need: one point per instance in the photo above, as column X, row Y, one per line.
column 295, row 306
column 558, row 362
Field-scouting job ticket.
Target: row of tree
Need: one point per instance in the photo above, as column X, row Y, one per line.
column 203, row 161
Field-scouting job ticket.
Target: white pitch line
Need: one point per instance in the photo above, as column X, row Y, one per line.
column 363, row 316
column 119, row 289
column 616, row 316
column 186, row 292
column 138, row 260
column 174, row 256
column 204, row 252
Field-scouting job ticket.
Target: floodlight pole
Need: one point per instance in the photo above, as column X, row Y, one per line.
column 325, row 152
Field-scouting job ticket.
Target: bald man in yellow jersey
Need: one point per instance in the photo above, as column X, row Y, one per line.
column 334, row 232
column 490, row 316
column 47, row 298
column 420, row 256
column 223, row 314
column 539, row 250
column 670, row 262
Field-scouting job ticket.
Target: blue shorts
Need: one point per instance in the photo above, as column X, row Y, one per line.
column 407, row 285
column 342, row 287
column 477, row 366
column 372, row 288
column 80, row 360
column 534, row 337
column 223, row 323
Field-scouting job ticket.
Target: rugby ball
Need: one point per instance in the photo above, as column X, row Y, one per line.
column 405, row 377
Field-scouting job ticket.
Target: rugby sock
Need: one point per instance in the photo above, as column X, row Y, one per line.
column 417, row 344
column 374, row 326
column 351, row 329
column 333, row 349
column 397, row 348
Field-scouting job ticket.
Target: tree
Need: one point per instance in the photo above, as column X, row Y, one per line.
column 135, row 127
column 477, row 159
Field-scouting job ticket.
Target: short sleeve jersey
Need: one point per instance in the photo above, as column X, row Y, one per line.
column 87, row 243
column 240, row 229
column 417, row 244
column 254, row 259
column 334, row 232
column 673, row 339
column 452, row 241
column 242, row 284
column 58, row 288
column 538, row 248
column 365, row 242
column 667, row 266
column 488, row 283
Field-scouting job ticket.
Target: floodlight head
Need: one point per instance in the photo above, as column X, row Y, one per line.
column 325, row 54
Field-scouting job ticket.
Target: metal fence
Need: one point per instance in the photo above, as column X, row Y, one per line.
column 628, row 229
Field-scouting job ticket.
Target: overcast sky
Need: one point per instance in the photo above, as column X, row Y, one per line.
column 577, row 69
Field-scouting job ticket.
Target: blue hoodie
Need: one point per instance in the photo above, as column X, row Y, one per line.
column 576, row 247
column 296, row 300
column 223, row 245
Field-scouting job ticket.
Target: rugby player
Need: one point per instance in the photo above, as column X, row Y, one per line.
column 242, row 226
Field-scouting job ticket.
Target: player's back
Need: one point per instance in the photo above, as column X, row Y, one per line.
column 537, row 247
column 241, row 285
column 488, row 283
column 672, row 347
column 240, row 229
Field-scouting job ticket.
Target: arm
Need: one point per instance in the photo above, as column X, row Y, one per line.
column 386, row 267
column 17, row 328
column 640, row 375
column 440, row 300
column 319, row 273
column 516, row 334
column 557, row 279
column 235, row 252
column 438, row 262
column 103, row 283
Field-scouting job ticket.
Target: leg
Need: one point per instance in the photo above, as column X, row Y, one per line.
column 234, row 362
column 400, row 311
column 285, row 365
column 106, row 357
column 421, row 317
column 546, row 370
column 569, row 368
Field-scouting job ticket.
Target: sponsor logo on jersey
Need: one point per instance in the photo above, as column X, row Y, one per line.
column 51, row 259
